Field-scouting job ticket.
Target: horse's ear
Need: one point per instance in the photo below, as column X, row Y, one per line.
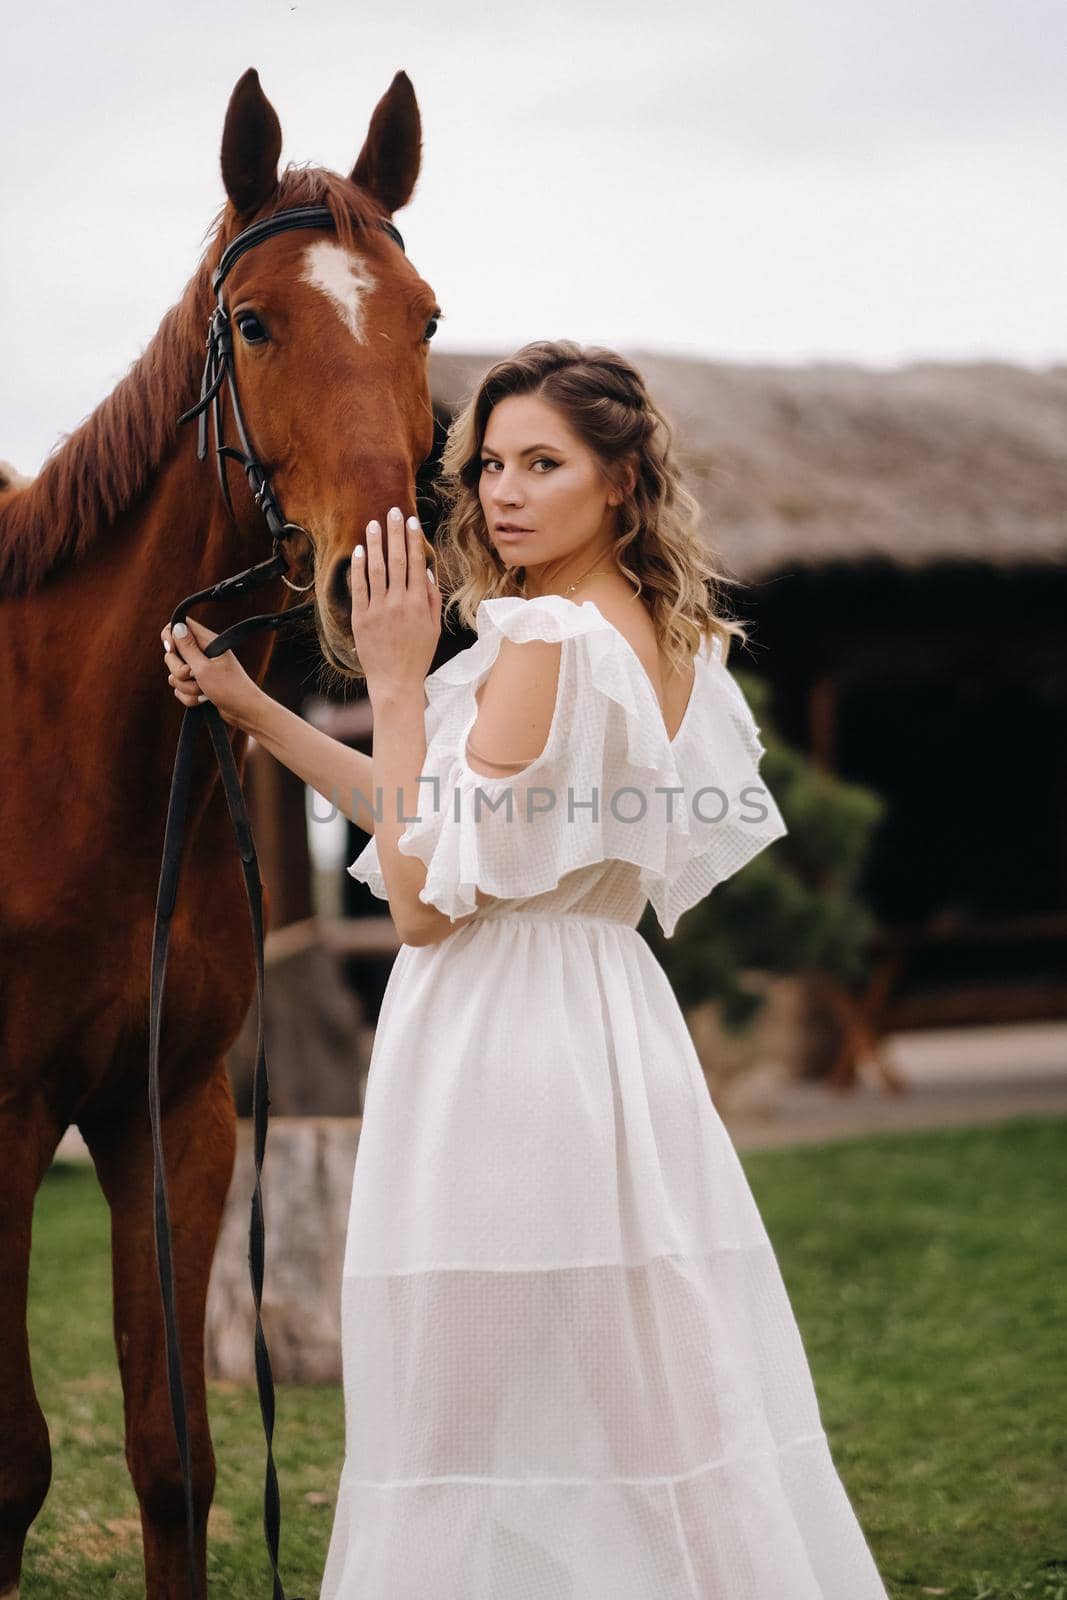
column 251, row 145
column 388, row 164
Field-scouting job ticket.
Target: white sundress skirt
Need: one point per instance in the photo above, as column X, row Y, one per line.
column 571, row 1370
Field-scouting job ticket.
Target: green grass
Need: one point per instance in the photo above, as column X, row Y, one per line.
column 927, row 1273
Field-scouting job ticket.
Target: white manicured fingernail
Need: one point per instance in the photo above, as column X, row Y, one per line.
column 374, row 527
column 357, row 554
column 429, row 574
column 179, row 630
column 413, row 523
column 201, row 699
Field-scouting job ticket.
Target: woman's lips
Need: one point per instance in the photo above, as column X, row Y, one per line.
column 512, row 533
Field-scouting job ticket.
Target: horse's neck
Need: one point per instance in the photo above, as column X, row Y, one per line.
column 179, row 539
column 83, row 652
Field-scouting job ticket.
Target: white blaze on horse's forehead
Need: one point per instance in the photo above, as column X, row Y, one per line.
column 343, row 277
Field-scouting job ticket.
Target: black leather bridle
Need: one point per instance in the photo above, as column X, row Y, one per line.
column 218, row 367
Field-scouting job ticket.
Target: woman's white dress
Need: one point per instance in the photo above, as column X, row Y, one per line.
column 571, row 1370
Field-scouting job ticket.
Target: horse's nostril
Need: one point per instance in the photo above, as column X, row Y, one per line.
column 341, row 585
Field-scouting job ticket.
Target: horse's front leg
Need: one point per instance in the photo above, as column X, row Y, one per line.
column 199, row 1137
column 29, row 1134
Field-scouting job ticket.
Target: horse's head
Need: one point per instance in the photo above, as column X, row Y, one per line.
column 331, row 331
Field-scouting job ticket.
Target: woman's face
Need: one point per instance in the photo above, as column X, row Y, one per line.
column 539, row 478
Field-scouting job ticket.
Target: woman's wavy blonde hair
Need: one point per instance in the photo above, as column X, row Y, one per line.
column 604, row 400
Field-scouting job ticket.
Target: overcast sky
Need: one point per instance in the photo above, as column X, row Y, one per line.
column 861, row 180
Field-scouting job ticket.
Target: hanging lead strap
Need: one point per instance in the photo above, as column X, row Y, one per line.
column 193, row 720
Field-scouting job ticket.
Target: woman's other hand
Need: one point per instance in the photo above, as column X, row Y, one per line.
column 396, row 620
column 195, row 678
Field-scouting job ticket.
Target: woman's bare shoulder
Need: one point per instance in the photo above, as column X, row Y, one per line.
column 515, row 706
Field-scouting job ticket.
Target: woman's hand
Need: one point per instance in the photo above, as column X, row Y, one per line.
column 396, row 621
column 196, row 678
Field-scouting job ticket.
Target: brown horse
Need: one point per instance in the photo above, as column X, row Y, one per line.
column 331, row 331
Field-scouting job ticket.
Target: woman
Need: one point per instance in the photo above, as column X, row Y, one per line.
column 571, row 1369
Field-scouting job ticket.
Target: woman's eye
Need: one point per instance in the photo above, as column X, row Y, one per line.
column 431, row 328
column 252, row 330
column 545, row 459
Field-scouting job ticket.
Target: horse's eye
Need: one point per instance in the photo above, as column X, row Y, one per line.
column 252, row 330
column 431, row 328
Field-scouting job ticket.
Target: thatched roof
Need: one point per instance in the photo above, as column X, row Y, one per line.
column 831, row 462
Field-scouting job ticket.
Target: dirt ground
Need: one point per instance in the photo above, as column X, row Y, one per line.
column 953, row 1076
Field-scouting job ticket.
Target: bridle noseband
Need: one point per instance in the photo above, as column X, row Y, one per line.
column 219, row 367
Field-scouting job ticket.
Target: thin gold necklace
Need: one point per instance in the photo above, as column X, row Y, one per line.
column 572, row 586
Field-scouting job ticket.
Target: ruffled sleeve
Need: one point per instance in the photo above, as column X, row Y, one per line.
column 608, row 785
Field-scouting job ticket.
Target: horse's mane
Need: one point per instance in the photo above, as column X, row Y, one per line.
column 94, row 474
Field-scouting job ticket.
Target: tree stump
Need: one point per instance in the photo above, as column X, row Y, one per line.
column 317, row 1049
column 307, row 1186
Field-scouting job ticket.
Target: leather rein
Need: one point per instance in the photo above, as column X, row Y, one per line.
column 219, row 368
